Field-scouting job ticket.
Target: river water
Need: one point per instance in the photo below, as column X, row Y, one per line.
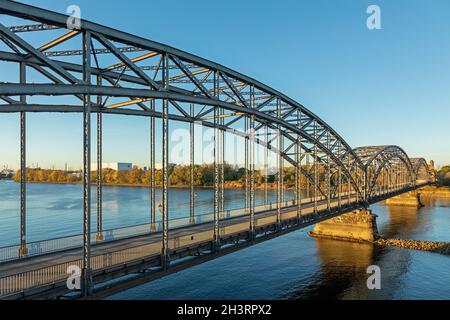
column 293, row 266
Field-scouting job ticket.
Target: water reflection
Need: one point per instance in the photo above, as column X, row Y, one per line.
column 342, row 266
column 402, row 221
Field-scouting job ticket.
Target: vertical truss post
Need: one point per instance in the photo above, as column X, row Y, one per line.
column 86, row 272
column 216, row 240
column 216, row 179
column 386, row 179
column 391, row 184
column 192, row 163
column 316, row 175
column 380, row 183
column 381, row 179
column 393, row 177
column 401, row 177
column 165, row 167
column 348, row 182
column 266, row 167
column 365, row 186
column 279, row 160
column 298, row 168
column 358, row 182
column 252, row 165
column 252, row 176
column 23, row 251
column 152, row 168
column 222, row 164
column 308, row 187
column 328, row 175
column 339, row 180
column 246, row 164
column 282, row 198
column 99, row 236
column 404, row 176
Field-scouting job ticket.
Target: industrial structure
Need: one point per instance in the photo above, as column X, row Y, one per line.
column 117, row 73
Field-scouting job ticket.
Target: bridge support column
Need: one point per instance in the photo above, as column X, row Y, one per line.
column 252, row 165
column 266, row 166
column 99, row 236
column 280, row 167
column 216, row 224
column 165, row 169
column 86, row 265
column 298, row 168
column 409, row 199
column 152, row 169
column 192, row 164
column 222, row 165
column 358, row 226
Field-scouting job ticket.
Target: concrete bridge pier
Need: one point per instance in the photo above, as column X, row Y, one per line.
column 408, row 199
column 357, row 226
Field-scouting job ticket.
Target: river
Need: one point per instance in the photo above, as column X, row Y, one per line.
column 293, row 266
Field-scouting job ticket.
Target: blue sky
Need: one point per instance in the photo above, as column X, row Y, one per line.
column 388, row 86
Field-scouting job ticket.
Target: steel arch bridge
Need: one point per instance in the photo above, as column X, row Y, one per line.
column 95, row 69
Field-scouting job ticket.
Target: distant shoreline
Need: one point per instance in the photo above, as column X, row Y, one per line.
column 436, row 191
column 260, row 187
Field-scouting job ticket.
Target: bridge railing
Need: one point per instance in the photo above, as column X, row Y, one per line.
column 49, row 275
column 11, row 253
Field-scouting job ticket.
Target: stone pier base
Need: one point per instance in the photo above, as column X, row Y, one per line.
column 409, row 199
column 359, row 226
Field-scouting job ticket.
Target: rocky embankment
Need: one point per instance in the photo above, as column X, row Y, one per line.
column 438, row 247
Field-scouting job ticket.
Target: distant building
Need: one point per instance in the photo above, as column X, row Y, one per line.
column 117, row 166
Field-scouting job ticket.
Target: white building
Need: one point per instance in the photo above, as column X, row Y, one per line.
column 117, row 166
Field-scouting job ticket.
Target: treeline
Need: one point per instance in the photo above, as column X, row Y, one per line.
column 179, row 175
column 443, row 176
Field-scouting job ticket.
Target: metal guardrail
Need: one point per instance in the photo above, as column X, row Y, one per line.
column 16, row 283
column 11, row 253
column 59, row 272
